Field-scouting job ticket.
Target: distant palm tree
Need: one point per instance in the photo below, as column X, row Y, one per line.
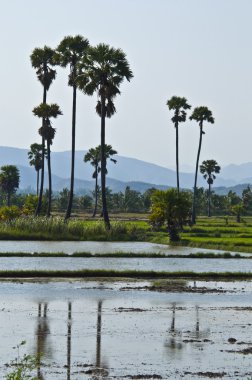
column 35, row 157
column 9, row 181
column 208, row 168
column 200, row 114
column 42, row 59
column 46, row 112
column 94, row 157
column 103, row 70
column 69, row 52
column 179, row 105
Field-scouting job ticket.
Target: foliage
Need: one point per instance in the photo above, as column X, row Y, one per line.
column 8, row 213
column 24, row 366
column 172, row 208
column 9, row 180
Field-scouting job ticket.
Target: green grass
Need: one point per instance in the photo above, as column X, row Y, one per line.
column 86, row 273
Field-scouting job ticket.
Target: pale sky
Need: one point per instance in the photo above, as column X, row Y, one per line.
column 200, row 49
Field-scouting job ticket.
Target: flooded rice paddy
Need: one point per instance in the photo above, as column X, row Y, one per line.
column 126, row 264
column 123, row 330
column 70, row 247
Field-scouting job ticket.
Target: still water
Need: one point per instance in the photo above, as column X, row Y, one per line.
column 70, row 247
column 122, row 264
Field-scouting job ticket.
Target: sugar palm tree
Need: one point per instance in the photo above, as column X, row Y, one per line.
column 103, row 70
column 42, row 59
column 69, row 52
column 46, row 112
column 200, row 114
column 209, row 168
column 179, row 106
column 35, row 159
column 94, row 157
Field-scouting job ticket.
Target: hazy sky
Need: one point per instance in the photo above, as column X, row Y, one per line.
column 200, row 49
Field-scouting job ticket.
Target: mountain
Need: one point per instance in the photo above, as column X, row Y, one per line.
column 137, row 174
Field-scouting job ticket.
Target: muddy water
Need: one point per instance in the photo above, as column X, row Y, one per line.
column 139, row 264
column 95, row 247
column 95, row 330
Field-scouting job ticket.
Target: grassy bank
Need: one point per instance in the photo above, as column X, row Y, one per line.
column 86, row 273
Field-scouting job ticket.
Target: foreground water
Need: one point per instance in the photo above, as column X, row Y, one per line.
column 117, row 330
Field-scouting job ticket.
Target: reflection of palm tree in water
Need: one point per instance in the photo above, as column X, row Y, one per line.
column 69, row 338
column 41, row 333
column 100, row 370
column 172, row 341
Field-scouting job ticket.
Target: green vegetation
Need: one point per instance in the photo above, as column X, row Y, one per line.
column 90, row 273
column 9, row 181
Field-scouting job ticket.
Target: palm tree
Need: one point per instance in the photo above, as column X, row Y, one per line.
column 35, row 157
column 69, row 52
column 46, row 112
column 42, row 59
column 103, row 70
column 179, row 105
column 208, row 168
column 94, row 157
column 200, row 114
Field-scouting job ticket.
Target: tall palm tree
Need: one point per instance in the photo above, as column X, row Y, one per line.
column 103, row 70
column 179, row 105
column 94, row 157
column 35, row 157
column 42, row 59
column 46, row 112
column 69, row 52
column 200, row 114
column 209, row 168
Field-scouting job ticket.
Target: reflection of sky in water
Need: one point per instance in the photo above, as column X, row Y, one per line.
column 82, row 331
column 95, row 247
column 139, row 264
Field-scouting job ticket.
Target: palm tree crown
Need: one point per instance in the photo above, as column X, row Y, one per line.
column 42, row 59
column 209, row 168
column 201, row 114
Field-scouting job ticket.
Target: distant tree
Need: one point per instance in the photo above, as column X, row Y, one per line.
column 62, row 199
column 46, row 112
column 238, row 210
column 42, row 59
column 94, row 157
column 35, row 157
column 85, row 202
column 209, row 168
column 147, row 198
column 133, row 201
column 247, row 199
column 200, row 114
column 179, row 106
column 103, row 70
column 69, row 53
column 9, row 181
column 171, row 208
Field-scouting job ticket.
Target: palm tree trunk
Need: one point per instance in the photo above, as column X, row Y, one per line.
column 37, row 182
column 70, row 199
column 103, row 166
column 195, row 178
column 38, row 209
column 209, row 202
column 96, row 188
column 98, row 335
column 49, row 179
column 177, row 157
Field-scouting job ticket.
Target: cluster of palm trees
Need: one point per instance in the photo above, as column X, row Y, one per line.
column 101, row 70
column 200, row 114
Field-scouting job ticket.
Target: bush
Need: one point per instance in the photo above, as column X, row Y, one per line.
column 8, row 213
